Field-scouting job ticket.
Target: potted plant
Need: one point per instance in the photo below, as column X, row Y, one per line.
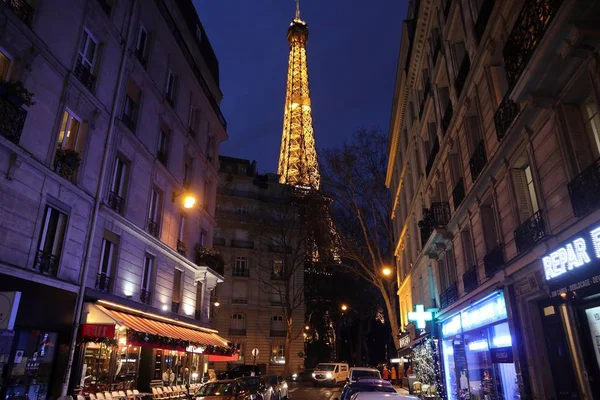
column 16, row 93
column 68, row 157
column 211, row 257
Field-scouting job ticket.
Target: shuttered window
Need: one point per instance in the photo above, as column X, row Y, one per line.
column 490, row 226
column 467, row 244
column 525, row 192
column 499, row 84
column 473, row 132
column 591, row 119
column 177, row 286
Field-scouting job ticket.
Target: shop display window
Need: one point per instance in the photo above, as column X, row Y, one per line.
column 174, row 367
column 109, row 368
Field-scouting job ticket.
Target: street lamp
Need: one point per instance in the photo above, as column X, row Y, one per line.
column 307, row 327
column 344, row 307
column 189, row 200
column 386, row 271
column 217, row 304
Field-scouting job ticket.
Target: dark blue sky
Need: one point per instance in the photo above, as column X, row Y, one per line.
column 352, row 55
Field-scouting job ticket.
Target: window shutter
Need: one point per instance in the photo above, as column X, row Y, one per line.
column 522, row 194
column 490, row 231
column 465, row 238
column 576, row 135
column 473, row 133
column 177, row 286
column 499, row 84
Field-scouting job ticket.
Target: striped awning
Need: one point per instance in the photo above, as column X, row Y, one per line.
column 154, row 327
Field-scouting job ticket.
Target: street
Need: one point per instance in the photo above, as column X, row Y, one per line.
column 306, row 391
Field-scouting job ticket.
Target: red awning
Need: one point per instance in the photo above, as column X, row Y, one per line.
column 151, row 326
column 215, row 358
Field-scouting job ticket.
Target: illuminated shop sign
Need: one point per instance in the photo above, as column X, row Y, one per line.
column 578, row 252
column 420, row 316
column 404, row 341
column 486, row 312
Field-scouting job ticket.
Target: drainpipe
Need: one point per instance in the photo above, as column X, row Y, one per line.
column 97, row 200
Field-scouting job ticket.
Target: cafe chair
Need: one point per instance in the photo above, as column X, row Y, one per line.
column 417, row 387
column 80, row 397
column 92, row 396
column 108, row 396
column 136, row 393
column 100, row 396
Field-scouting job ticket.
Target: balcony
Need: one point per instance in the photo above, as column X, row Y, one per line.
column 526, row 34
column 175, row 307
column 182, row 248
column 530, row 232
column 153, row 228
column 482, row 19
column 162, row 157
column 584, row 190
column 116, row 202
column 447, row 117
column 494, row 261
column 239, row 300
column 434, row 151
column 505, row 115
column 64, row 169
column 449, row 296
column 437, row 216
column 103, row 282
column 237, row 332
column 219, row 241
column 458, row 194
column 478, row 161
column 242, row 272
column 20, row 8
column 470, row 279
column 242, row 244
column 85, row 76
column 277, row 333
column 145, row 296
column 12, row 120
column 45, row 263
column 461, row 77
column 279, row 249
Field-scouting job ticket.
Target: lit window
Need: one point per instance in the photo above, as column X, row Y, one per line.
column 69, row 130
column 4, row 66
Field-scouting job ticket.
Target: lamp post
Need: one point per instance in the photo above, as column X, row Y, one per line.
column 189, row 200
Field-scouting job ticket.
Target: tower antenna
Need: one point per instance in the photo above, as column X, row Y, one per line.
column 297, row 9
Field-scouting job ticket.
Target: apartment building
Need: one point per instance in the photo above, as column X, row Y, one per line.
column 257, row 236
column 493, row 160
column 99, row 174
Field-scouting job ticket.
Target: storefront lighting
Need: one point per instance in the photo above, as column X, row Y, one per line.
column 195, row 375
column 502, row 341
column 122, row 328
column 122, row 341
column 478, row 345
column 164, row 307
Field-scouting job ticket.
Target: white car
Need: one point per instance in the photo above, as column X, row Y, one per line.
column 382, row 396
column 331, row 373
column 363, row 373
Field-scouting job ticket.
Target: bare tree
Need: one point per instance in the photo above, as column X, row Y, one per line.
column 354, row 175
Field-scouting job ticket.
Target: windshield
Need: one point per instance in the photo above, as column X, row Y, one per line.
column 216, row 389
column 365, row 374
column 350, row 390
column 325, row 367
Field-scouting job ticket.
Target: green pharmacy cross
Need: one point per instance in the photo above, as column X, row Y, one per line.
column 420, row 316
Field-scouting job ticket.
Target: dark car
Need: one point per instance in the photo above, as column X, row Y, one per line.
column 302, row 376
column 256, row 385
column 225, row 390
column 367, row 385
column 239, row 371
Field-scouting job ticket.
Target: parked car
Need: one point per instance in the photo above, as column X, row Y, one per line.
column 228, row 389
column 255, row 385
column 366, row 385
column 239, row 371
column 302, row 376
column 331, row 373
column 278, row 386
column 357, row 373
column 382, row 396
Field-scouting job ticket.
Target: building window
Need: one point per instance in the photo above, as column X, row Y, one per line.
column 240, row 267
column 69, row 146
column 525, row 191
column 209, row 147
column 51, row 241
column 69, row 131
column 277, row 353
column 177, row 291
column 193, row 121
column 202, row 238
column 490, row 226
column 154, row 213
column 131, row 107
column 592, row 124
column 181, row 246
column 86, row 55
column 187, row 171
column 107, row 260
column 277, row 325
column 5, row 63
column 116, row 198
column 467, row 244
column 207, row 190
column 237, row 324
column 163, row 145
column 141, row 45
column 277, row 272
column 239, row 294
column 171, row 87
column 241, row 210
column 147, row 280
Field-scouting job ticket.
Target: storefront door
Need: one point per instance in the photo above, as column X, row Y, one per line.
column 589, row 322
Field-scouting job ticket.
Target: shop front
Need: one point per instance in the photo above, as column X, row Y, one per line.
column 477, row 352
column 124, row 349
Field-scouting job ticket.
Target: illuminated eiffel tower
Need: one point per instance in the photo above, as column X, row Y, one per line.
column 298, row 164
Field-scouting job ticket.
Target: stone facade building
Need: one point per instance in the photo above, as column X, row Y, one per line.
column 126, row 119
column 257, row 243
column 493, row 160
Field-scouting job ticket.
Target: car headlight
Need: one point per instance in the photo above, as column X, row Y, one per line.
column 329, row 375
column 313, row 374
column 294, row 376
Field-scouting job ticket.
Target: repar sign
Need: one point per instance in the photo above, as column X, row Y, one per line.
column 572, row 255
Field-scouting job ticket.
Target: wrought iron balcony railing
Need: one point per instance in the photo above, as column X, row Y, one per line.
column 279, row 249
column 237, row 332
column 103, row 282
column 449, row 296
column 242, row 244
column 153, row 228
column 463, row 72
column 219, row 241
column 20, row 8
column 276, row 302
column 530, row 232
column 12, row 120
column 243, row 272
column 434, row 152
column 437, row 216
column 65, row 170
column 458, row 194
column 478, row 160
column 447, row 117
column 277, row 333
column 494, row 261
column 470, row 279
column 116, row 202
column 584, row 190
column 182, row 248
column 526, row 34
column 175, row 307
column 238, row 300
column 505, row 115
column 45, row 263
column 482, row 19
column 145, row 296
column 85, row 76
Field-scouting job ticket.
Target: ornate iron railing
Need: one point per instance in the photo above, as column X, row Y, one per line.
column 525, row 36
column 145, row 296
column 175, row 307
column 279, row 249
column 241, row 271
column 470, row 279
column 584, row 190
column 12, row 120
column 45, row 263
column 449, row 296
column 463, row 72
column 242, row 244
column 458, row 194
column 237, row 332
column 84, row 74
column 482, row 19
column 115, row 202
column 182, row 248
column 437, row 216
column 530, row 232
column 65, row 170
column 494, row 260
column 237, row 300
column 447, row 117
column 434, row 152
column 103, row 282
column 478, row 160
column 152, row 228
column 277, row 333
column 505, row 115
column 20, row 8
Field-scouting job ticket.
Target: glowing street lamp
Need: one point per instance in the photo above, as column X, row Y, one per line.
column 189, row 200
column 307, row 327
column 344, row 307
column 217, row 304
column 387, row 271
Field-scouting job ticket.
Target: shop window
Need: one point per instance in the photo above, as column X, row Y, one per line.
column 277, row 353
column 51, row 240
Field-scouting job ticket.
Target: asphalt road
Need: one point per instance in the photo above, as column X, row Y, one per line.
column 306, row 391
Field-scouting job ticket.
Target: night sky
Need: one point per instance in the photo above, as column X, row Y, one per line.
column 352, row 56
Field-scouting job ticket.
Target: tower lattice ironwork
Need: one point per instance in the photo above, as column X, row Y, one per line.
column 298, row 164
